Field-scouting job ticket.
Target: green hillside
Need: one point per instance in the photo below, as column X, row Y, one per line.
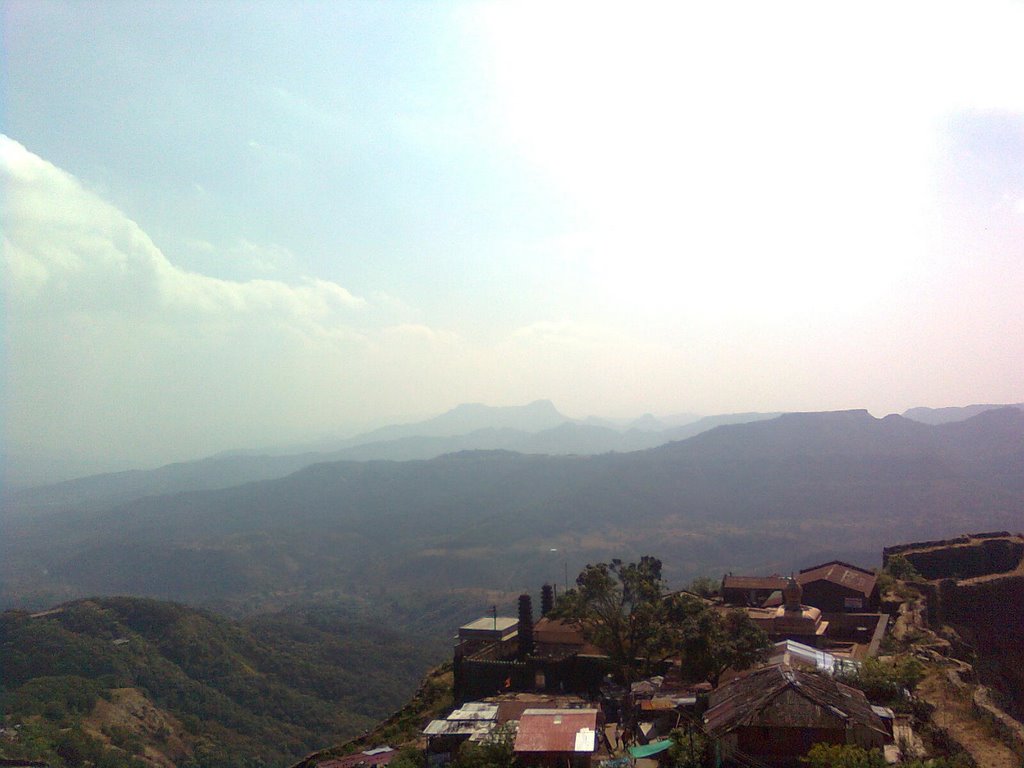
column 761, row 497
column 126, row 681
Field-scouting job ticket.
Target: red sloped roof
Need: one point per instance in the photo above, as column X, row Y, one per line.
column 557, row 730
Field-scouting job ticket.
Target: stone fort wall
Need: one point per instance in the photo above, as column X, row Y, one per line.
column 964, row 557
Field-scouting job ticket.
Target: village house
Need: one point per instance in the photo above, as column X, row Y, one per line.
column 792, row 620
column 479, row 721
column 496, row 655
column 837, row 586
column 557, row 738
column 789, row 614
column 473, row 721
column 775, row 714
column 750, row 590
column 485, row 631
column 831, row 587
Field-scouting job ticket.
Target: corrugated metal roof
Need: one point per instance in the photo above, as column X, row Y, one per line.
column 456, row 727
column 500, row 624
column 739, row 701
column 477, row 706
column 789, row 651
column 475, row 710
column 557, row 730
column 509, row 728
column 512, row 705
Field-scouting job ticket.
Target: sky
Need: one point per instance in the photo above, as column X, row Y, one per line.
column 240, row 225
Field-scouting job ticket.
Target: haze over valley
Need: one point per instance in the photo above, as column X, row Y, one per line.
column 764, row 495
column 329, row 327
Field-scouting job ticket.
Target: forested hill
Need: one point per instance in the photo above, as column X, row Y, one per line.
column 127, row 681
column 769, row 496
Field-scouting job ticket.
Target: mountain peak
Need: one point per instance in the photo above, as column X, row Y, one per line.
column 852, row 414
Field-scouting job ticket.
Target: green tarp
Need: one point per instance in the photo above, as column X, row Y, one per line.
column 649, row 750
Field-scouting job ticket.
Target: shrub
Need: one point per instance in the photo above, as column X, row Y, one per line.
column 843, row 756
column 900, row 568
column 883, row 682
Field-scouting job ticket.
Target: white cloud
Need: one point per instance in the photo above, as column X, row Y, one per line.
column 111, row 345
column 67, row 250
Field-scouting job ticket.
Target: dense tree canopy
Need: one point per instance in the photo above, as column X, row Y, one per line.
column 713, row 642
column 620, row 610
column 626, row 611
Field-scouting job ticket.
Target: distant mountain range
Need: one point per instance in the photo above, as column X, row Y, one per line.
column 768, row 495
column 535, row 428
column 949, row 415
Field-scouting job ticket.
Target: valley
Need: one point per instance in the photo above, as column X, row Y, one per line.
column 323, row 596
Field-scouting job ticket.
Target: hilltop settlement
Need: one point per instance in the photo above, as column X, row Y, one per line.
column 836, row 665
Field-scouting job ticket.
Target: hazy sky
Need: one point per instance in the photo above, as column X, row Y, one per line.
column 242, row 224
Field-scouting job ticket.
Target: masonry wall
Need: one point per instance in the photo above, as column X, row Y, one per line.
column 987, row 557
column 989, row 614
column 902, row 549
column 998, row 602
column 964, row 557
column 476, row 678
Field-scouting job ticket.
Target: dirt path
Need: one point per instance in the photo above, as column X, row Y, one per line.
column 953, row 713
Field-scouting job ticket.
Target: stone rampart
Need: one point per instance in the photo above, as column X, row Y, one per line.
column 989, row 614
column 996, row 603
column 899, row 549
column 965, row 557
column 1009, row 730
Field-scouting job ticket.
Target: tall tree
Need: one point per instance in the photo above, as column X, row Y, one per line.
column 624, row 610
column 712, row 642
column 619, row 608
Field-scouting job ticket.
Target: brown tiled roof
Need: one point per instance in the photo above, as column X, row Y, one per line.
column 753, row 582
column 838, row 572
column 739, row 701
column 557, row 730
column 548, row 632
column 657, row 705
